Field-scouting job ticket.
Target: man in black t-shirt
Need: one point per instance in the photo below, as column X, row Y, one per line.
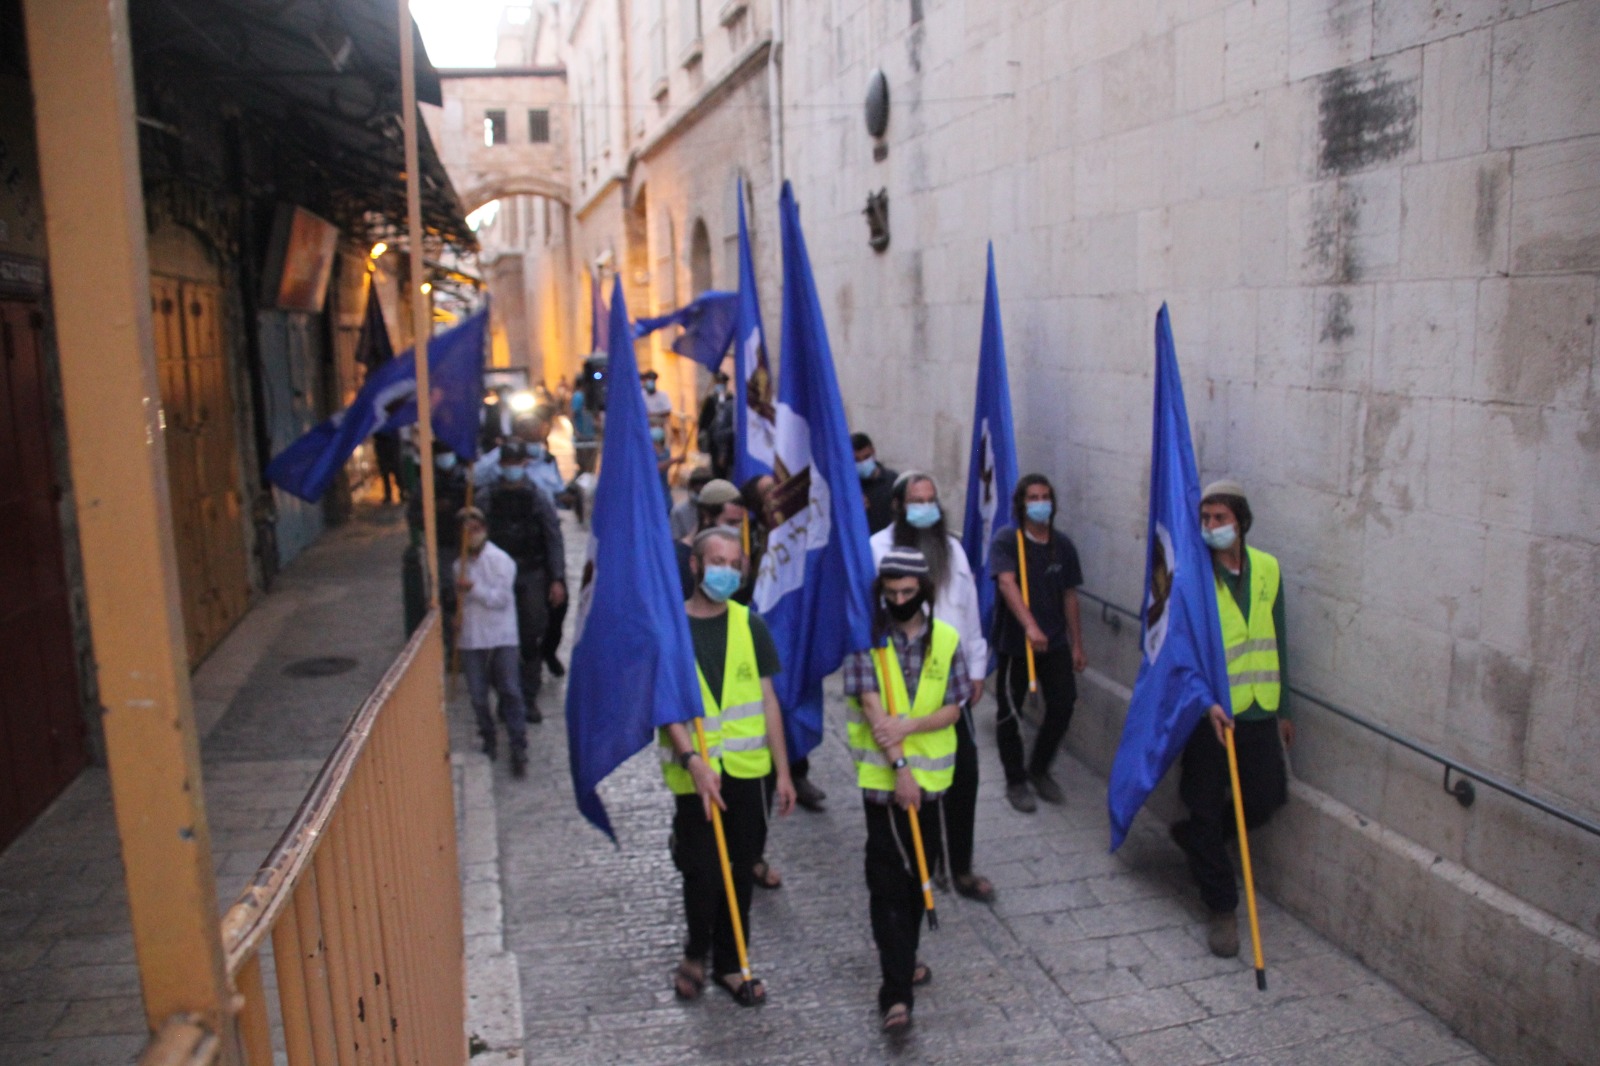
column 717, row 564
column 877, row 483
column 1048, row 621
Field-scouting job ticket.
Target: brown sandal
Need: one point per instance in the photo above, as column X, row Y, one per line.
column 766, row 876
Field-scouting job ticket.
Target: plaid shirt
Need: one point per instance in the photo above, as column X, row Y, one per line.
column 860, row 677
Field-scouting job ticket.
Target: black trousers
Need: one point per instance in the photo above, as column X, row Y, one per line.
column 694, row 852
column 532, row 591
column 1204, row 788
column 961, row 799
column 896, row 893
column 1059, row 688
column 556, row 622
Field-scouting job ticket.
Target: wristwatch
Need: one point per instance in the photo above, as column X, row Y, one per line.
column 900, row 763
column 685, row 756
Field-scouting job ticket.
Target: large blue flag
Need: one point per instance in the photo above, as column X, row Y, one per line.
column 992, row 465
column 387, row 402
column 755, row 415
column 708, row 323
column 633, row 665
column 815, row 585
column 1183, row 670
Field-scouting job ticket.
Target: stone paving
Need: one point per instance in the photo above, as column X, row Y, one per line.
column 69, row 987
column 1085, row 957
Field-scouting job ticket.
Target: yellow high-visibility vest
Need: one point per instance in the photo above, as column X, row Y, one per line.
column 1252, row 646
column 735, row 725
column 931, row 756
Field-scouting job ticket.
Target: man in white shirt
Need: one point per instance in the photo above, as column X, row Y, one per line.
column 919, row 523
column 657, row 404
column 485, row 581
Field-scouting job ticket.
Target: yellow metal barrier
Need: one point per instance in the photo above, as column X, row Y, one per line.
column 361, row 899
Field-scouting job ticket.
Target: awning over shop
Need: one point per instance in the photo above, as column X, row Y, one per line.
column 317, row 84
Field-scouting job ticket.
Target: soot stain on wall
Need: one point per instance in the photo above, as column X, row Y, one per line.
column 1365, row 117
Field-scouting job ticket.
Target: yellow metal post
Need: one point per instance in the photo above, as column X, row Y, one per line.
column 421, row 314
column 82, row 73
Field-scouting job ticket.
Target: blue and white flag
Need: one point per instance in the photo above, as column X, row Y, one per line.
column 387, row 402
column 633, row 666
column 1183, row 669
column 815, row 586
column 755, row 414
column 708, row 325
column 992, row 465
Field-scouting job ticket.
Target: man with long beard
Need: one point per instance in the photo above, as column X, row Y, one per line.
column 919, row 523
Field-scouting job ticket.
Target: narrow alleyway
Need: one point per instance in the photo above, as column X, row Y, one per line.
column 269, row 704
column 1085, row 958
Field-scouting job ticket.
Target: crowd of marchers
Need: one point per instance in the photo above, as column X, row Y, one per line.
column 911, row 700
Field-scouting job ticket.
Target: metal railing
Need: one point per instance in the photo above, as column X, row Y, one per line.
column 1462, row 789
column 360, row 897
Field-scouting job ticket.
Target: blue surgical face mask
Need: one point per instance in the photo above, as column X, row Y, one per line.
column 445, row 461
column 650, row 386
column 922, row 515
column 536, row 451
column 658, row 434
column 1220, row 537
column 865, row 468
column 1040, row 511
column 511, row 473
column 720, row 582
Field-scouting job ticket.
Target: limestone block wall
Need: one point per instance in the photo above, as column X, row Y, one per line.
column 1377, row 224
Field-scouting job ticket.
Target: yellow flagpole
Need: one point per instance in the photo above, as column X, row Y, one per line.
column 1022, row 574
column 916, row 821
column 1244, row 857
column 722, row 855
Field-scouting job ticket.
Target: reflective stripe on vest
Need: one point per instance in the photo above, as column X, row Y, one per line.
column 1252, row 645
column 931, row 756
column 736, row 727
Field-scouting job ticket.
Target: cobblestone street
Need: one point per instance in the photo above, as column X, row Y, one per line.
column 1084, row 958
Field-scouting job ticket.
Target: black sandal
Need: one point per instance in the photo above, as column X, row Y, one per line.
column 686, row 983
column 897, row 1019
column 974, row 887
column 765, row 876
column 751, row 993
column 921, row 974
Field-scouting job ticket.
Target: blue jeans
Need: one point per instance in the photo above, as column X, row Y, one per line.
column 499, row 667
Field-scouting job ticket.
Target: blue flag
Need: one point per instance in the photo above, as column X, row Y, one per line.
column 992, row 466
column 387, row 402
column 633, row 665
column 755, row 414
column 707, row 322
column 1183, row 670
column 815, row 586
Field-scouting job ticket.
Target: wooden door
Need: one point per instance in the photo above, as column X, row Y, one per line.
column 202, row 459
column 43, row 737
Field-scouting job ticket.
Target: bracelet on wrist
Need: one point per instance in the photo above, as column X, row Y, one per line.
column 685, row 756
column 900, row 763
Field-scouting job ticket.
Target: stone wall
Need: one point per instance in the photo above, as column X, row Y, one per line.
column 1378, row 229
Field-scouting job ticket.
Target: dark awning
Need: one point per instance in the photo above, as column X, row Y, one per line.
column 316, row 81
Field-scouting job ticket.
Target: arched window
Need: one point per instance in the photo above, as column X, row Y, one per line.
column 700, row 258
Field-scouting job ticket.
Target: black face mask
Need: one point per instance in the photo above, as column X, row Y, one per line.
column 904, row 612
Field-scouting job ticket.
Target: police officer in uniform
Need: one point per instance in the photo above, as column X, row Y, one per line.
column 903, row 763
column 523, row 523
column 735, row 660
column 1250, row 601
